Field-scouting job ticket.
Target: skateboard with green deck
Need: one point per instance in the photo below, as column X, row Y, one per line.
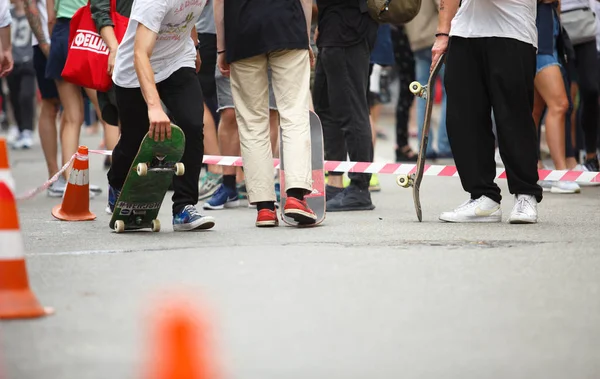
column 147, row 182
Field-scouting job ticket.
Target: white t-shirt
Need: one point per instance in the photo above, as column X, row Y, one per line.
column 173, row 21
column 43, row 11
column 567, row 5
column 497, row 18
column 597, row 10
column 5, row 18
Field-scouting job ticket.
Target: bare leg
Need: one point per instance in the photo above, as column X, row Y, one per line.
column 550, row 86
column 211, row 142
column 229, row 139
column 70, row 127
column 48, row 134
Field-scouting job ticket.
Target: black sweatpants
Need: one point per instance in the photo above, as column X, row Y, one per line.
column 182, row 95
column 405, row 61
column 21, row 85
column 481, row 76
column 340, row 98
column 586, row 61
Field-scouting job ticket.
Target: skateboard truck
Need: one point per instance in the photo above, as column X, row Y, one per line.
column 405, row 181
column 142, row 168
column 418, row 89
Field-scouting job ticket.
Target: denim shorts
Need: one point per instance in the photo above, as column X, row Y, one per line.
column 59, row 49
column 546, row 60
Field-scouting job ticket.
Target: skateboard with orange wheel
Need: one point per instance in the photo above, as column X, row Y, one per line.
column 414, row 180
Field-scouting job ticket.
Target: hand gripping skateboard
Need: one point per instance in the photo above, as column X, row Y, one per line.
column 316, row 199
column 148, row 180
column 414, row 179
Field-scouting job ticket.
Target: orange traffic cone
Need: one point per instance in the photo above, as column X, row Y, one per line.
column 76, row 202
column 180, row 345
column 16, row 298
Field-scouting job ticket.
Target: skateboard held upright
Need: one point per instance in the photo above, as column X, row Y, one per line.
column 315, row 200
column 414, row 179
column 148, row 180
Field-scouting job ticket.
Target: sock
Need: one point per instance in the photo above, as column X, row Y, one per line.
column 265, row 205
column 229, row 181
column 297, row 193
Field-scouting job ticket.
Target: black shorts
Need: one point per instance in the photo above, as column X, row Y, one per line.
column 47, row 86
column 208, row 55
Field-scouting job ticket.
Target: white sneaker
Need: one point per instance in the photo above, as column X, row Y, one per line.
column 13, row 135
column 482, row 209
column 24, row 141
column 524, row 210
column 565, row 187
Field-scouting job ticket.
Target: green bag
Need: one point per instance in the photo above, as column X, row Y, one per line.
column 395, row 12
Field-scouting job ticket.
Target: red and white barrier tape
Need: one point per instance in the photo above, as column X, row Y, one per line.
column 405, row 168
column 359, row 167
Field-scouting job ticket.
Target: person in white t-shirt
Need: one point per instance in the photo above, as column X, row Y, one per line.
column 157, row 61
column 6, row 60
column 490, row 65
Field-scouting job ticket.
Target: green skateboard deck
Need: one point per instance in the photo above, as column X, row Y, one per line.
column 414, row 179
column 148, row 180
column 315, row 200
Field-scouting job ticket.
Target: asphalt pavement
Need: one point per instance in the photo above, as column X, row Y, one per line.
column 366, row 295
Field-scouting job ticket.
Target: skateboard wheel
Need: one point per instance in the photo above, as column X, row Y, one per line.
column 119, row 226
column 403, row 181
column 415, row 88
column 142, row 169
column 156, row 226
column 179, row 169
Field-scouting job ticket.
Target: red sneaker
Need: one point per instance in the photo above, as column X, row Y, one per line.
column 266, row 218
column 299, row 211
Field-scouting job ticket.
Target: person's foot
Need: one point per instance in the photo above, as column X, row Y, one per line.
column 331, row 192
column 95, row 189
column 405, row 154
column 24, row 141
column 57, row 189
column 482, row 209
column 12, row 135
column 565, row 187
column 242, row 191
column 592, row 164
column 351, row 198
column 223, row 197
column 524, row 210
column 299, row 211
column 209, row 183
column 113, row 195
column 374, row 185
column 189, row 219
column 266, row 218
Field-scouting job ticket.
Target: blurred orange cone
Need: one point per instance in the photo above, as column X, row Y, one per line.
column 16, row 298
column 180, row 348
column 76, row 202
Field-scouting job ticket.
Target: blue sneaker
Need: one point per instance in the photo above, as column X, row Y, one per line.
column 223, row 198
column 113, row 195
column 190, row 219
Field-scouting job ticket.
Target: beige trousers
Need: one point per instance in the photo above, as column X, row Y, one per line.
column 291, row 86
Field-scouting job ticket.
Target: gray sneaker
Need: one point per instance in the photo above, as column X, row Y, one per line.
column 58, row 188
column 209, row 183
column 351, row 199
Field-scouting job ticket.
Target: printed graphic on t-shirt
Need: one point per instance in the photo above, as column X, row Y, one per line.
column 174, row 31
column 21, row 32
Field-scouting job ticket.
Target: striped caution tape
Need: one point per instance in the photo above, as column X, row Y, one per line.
column 356, row 167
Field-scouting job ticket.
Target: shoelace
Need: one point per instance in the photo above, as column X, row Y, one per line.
column 192, row 211
column 522, row 203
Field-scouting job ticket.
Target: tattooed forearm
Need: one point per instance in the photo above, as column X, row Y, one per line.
column 33, row 16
